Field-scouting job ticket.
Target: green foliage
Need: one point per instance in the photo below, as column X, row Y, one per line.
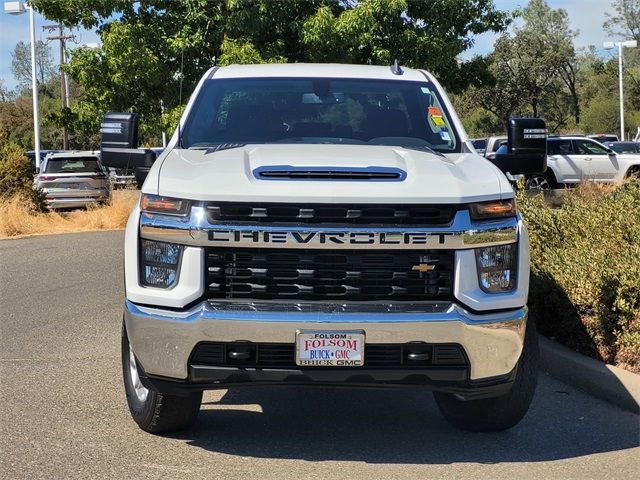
column 236, row 51
column 170, row 118
column 16, row 122
column 419, row 34
column 601, row 116
column 16, row 178
column 16, row 111
column 537, row 72
column 477, row 121
column 145, row 45
column 599, row 86
column 585, row 287
column 534, row 70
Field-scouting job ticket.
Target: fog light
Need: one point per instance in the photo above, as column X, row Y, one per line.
column 159, row 263
column 497, row 268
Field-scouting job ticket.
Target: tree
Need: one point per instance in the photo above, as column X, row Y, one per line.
column 552, row 27
column 155, row 49
column 534, row 70
column 601, row 115
column 417, row 33
column 626, row 20
column 5, row 94
column 21, row 63
column 625, row 23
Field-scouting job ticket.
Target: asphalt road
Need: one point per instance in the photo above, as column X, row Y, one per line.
column 63, row 413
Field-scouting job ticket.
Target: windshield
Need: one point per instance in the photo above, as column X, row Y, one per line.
column 73, row 165
column 320, row 110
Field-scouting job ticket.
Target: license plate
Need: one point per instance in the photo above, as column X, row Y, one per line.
column 322, row 348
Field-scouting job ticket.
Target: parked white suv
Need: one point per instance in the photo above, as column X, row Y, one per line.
column 574, row 159
column 327, row 225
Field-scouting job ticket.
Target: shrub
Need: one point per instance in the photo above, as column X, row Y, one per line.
column 16, row 178
column 585, row 271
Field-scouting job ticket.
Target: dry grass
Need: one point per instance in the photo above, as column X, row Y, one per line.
column 18, row 220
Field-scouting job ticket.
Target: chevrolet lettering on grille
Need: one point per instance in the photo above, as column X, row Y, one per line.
column 353, row 239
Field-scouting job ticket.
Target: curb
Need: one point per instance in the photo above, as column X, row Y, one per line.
column 613, row 384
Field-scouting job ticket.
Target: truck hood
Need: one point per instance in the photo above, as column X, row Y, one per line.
column 230, row 175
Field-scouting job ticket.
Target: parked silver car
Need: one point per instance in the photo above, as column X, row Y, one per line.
column 73, row 179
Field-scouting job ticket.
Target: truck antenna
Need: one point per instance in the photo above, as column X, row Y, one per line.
column 180, row 95
column 396, row 69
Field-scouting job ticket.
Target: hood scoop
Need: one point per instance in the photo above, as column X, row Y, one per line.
column 348, row 174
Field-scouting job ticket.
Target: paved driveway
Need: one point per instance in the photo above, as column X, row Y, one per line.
column 63, row 414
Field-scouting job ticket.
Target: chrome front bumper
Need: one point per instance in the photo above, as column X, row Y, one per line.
column 163, row 339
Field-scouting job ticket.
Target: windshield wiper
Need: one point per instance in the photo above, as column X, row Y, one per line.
column 215, row 147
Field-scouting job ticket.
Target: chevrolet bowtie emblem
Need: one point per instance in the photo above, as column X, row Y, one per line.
column 423, row 267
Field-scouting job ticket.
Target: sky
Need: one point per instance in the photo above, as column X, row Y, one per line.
column 15, row 28
column 587, row 16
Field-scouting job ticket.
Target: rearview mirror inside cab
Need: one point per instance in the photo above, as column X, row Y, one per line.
column 527, row 147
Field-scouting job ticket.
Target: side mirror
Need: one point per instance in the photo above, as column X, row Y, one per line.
column 527, row 147
column 119, row 142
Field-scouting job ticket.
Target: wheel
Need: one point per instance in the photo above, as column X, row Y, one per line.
column 540, row 181
column 633, row 173
column 155, row 412
column 499, row 413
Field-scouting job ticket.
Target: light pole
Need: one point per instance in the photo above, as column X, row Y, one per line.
column 621, row 45
column 18, row 8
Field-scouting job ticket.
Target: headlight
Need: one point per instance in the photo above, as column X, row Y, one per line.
column 497, row 268
column 159, row 263
column 164, row 205
column 493, row 209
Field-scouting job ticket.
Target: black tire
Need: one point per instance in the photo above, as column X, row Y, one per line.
column 541, row 181
column 158, row 412
column 633, row 173
column 498, row 413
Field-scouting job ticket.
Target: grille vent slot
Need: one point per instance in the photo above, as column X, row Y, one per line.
column 287, row 172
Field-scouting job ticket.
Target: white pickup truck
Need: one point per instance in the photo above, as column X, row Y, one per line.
column 327, row 225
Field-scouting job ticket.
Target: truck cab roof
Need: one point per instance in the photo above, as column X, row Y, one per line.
column 329, row 70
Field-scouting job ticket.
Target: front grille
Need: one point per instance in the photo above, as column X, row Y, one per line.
column 345, row 275
column 340, row 214
column 282, row 355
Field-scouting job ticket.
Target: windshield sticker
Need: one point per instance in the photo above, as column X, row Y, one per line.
column 438, row 121
column 435, row 112
column 445, row 136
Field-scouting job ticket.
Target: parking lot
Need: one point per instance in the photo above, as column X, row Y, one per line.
column 63, row 413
